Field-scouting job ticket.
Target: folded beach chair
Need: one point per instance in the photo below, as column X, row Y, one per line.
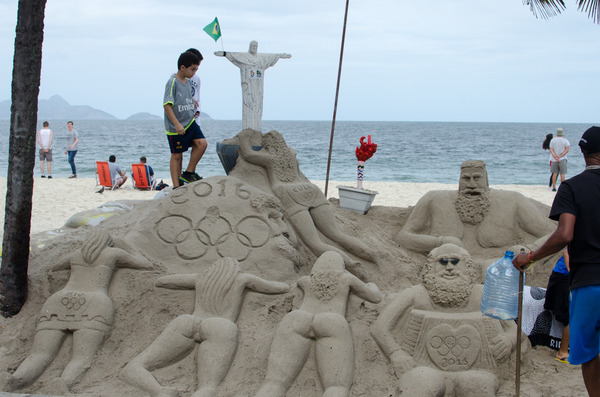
column 141, row 177
column 103, row 175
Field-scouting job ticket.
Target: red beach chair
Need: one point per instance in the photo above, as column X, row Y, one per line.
column 103, row 175
column 141, row 177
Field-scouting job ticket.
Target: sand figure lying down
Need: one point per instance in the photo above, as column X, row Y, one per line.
column 322, row 318
column 220, row 291
column 82, row 308
column 304, row 204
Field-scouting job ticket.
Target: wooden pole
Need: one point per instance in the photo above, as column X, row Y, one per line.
column 519, row 320
column 337, row 92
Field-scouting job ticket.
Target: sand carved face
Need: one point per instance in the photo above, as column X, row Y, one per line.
column 449, row 275
column 473, row 202
column 473, row 178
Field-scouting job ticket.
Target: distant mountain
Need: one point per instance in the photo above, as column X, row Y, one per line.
column 144, row 116
column 57, row 108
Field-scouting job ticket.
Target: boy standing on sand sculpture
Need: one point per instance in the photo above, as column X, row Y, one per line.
column 219, row 296
column 182, row 130
column 322, row 318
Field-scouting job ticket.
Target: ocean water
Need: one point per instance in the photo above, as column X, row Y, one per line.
column 406, row 151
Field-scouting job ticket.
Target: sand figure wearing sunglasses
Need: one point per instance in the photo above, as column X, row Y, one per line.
column 305, row 206
column 435, row 336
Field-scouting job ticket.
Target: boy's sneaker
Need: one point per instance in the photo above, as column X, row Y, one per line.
column 49, row 176
column 189, row 177
column 43, row 176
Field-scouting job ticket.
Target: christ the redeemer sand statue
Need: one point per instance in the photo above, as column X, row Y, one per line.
column 252, row 69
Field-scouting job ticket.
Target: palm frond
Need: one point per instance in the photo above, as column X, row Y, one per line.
column 592, row 7
column 548, row 8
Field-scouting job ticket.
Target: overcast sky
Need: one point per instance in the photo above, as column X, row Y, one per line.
column 438, row 60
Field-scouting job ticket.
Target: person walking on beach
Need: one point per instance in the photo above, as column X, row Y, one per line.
column 576, row 209
column 546, row 146
column 559, row 147
column 72, row 146
column 117, row 175
column 182, row 130
column 44, row 139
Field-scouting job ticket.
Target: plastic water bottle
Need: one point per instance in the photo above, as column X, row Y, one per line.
column 501, row 289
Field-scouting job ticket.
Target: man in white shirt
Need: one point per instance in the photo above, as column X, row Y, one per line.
column 559, row 147
column 44, row 140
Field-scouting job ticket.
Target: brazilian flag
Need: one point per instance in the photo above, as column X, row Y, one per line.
column 213, row 29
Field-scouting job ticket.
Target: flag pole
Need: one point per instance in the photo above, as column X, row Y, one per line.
column 337, row 91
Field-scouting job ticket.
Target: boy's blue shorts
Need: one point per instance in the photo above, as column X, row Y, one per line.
column 181, row 143
column 584, row 329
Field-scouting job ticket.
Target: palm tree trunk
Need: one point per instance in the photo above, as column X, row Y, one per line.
column 27, row 65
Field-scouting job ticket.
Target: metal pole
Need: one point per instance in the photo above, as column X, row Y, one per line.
column 519, row 320
column 337, row 91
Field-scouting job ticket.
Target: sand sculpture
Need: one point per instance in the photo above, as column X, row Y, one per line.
column 252, row 66
column 219, row 296
column 445, row 346
column 235, row 220
column 321, row 318
column 254, row 225
column 475, row 217
column 305, row 206
column 82, row 308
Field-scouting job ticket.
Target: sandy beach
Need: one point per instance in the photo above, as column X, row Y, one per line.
column 56, row 200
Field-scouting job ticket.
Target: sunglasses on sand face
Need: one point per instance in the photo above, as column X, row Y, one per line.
column 454, row 261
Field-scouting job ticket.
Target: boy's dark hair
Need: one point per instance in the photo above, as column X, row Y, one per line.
column 70, row 122
column 143, row 159
column 195, row 52
column 112, row 158
column 46, row 124
column 187, row 59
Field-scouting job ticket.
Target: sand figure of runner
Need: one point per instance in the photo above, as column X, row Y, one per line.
column 320, row 318
column 304, row 204
column 220, row 293
column 82, row 308
column 435, row 336
column 252, row 66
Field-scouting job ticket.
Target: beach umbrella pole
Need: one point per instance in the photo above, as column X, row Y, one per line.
column 337, row 91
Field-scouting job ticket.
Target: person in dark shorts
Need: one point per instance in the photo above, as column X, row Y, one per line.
column 576, row 209
column 182, row 130
column 557, row 301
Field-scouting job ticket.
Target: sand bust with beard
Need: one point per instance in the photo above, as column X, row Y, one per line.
column 435, row 336
column 473, row 217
